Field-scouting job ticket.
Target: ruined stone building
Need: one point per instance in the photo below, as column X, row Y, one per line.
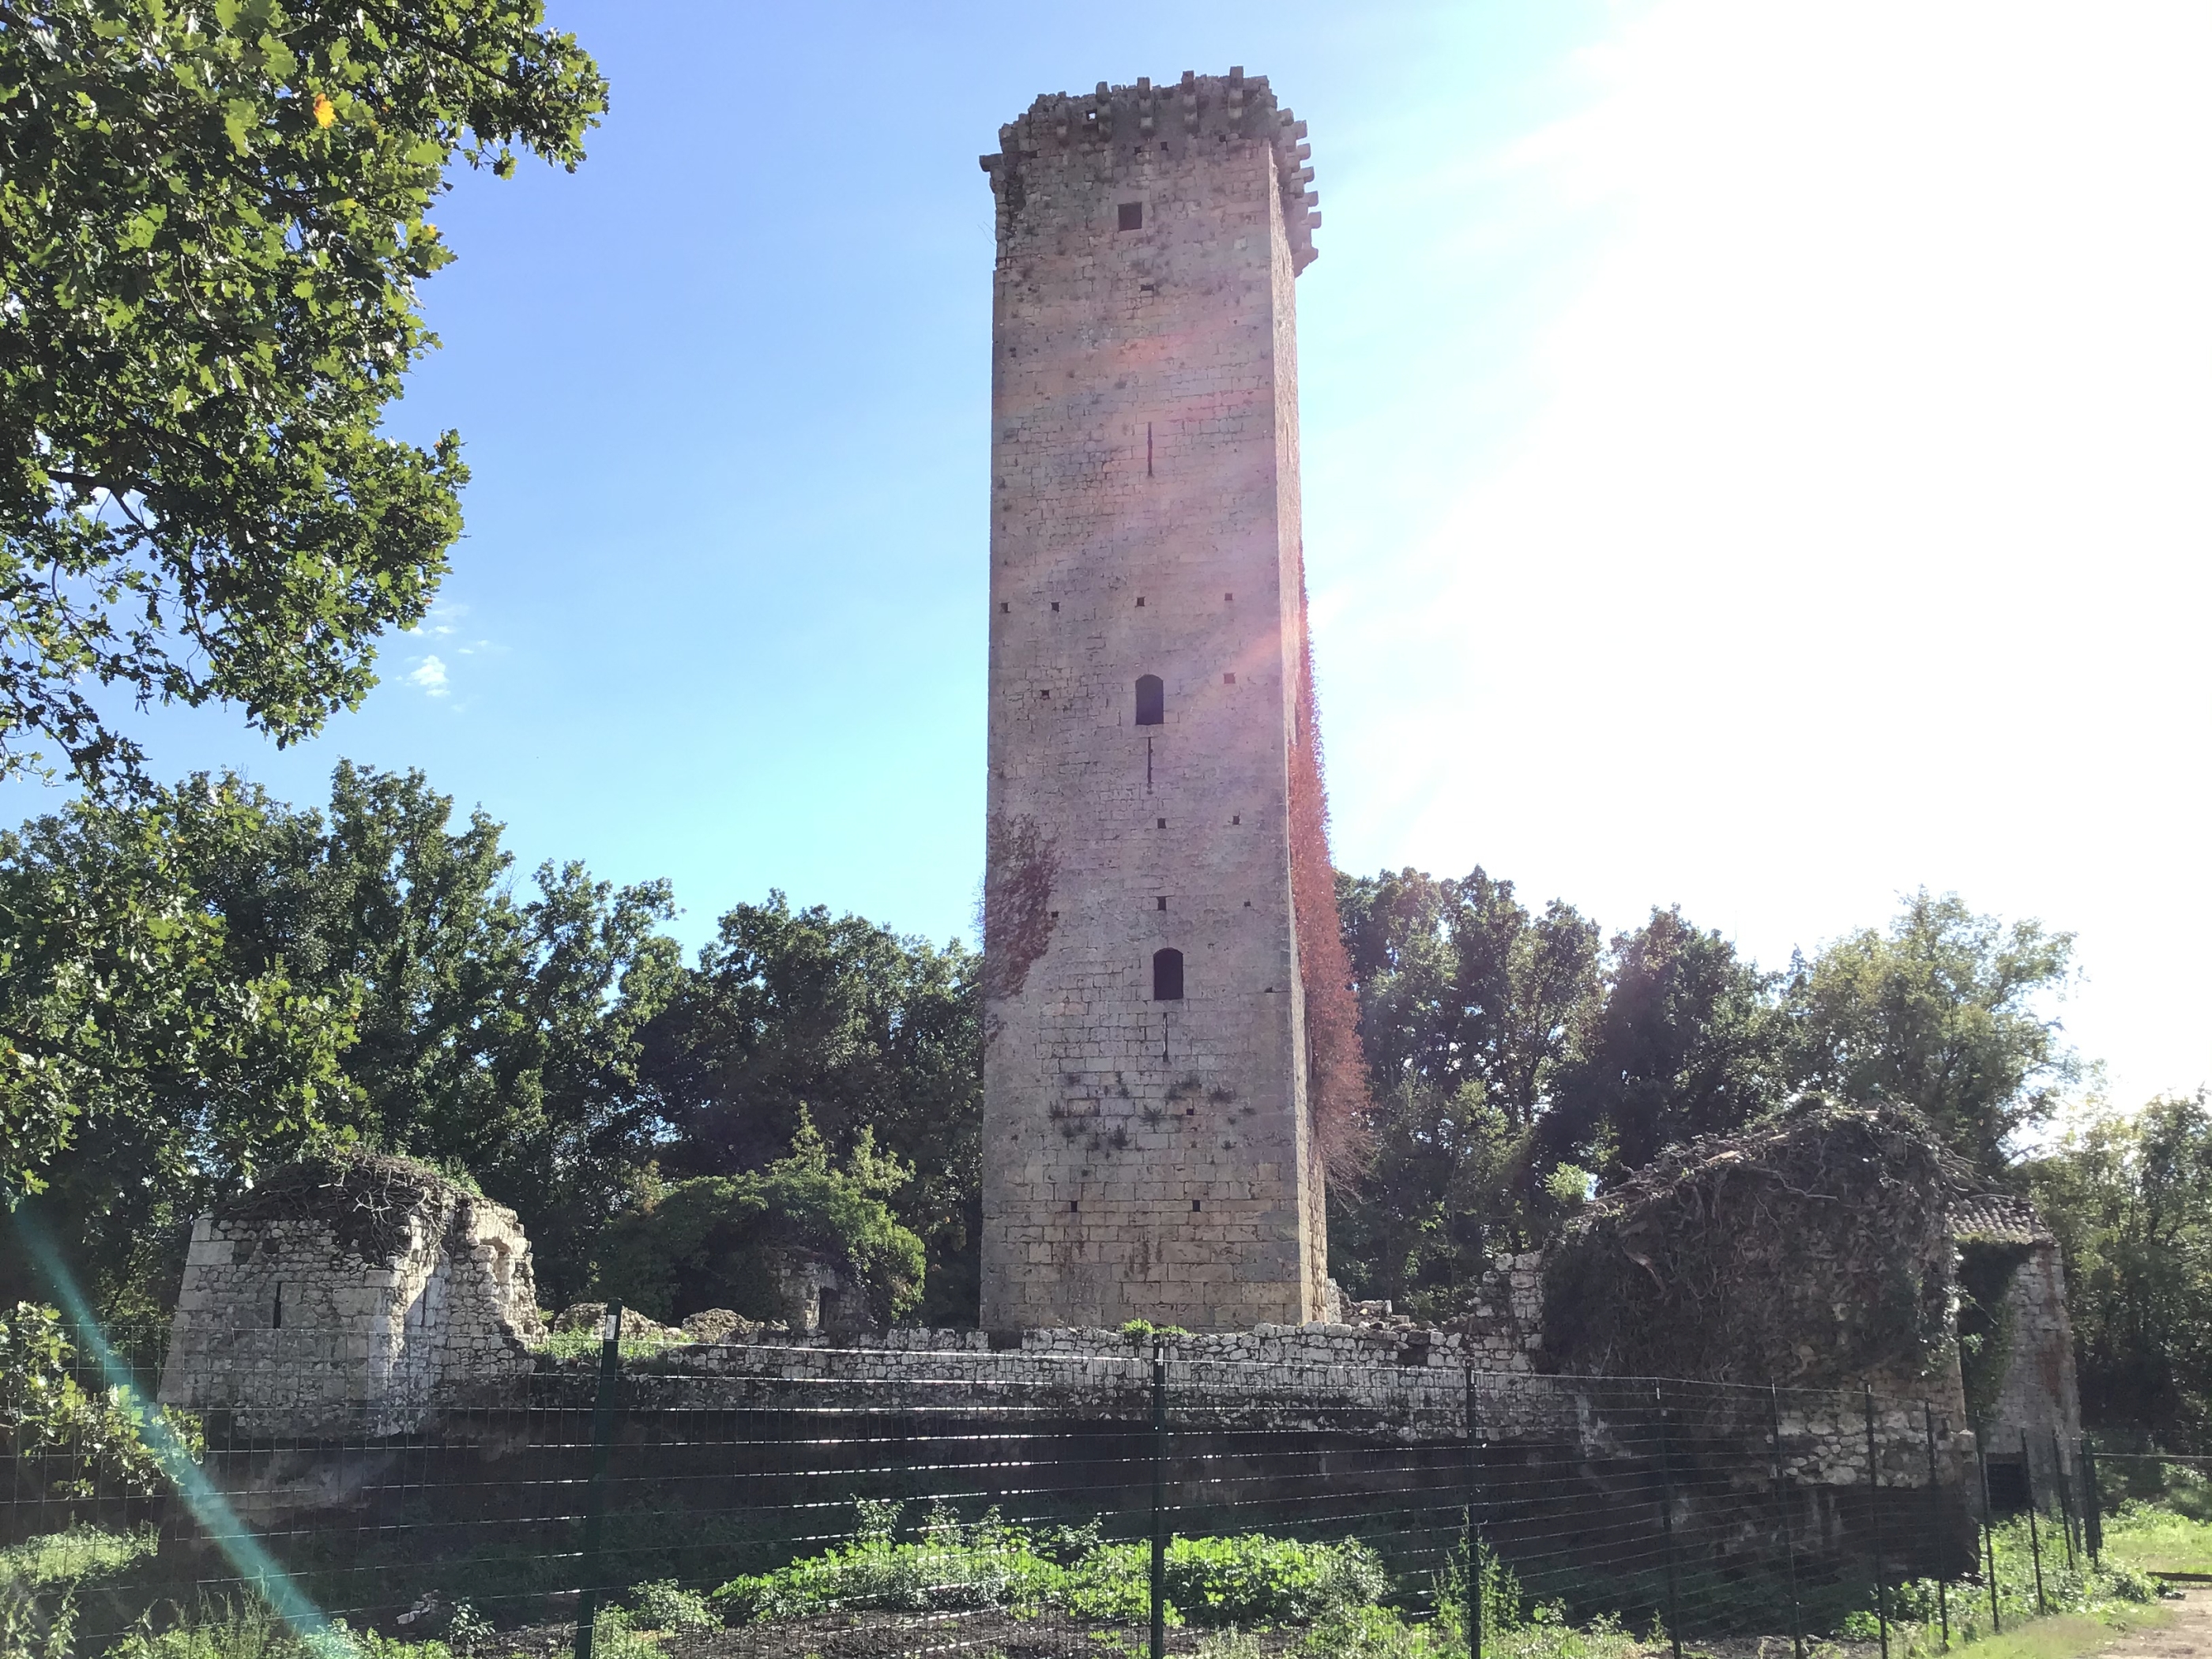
column 1155, row 872
column 350, row 1296
column 2018, row 1341
column 1833, row 1249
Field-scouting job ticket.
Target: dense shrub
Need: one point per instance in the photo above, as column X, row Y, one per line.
column 716, row 1241
column 664, row 1604
column 987, row 1564
column 1251, row 1579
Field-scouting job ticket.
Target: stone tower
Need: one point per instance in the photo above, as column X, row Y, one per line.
column 1148, row 1147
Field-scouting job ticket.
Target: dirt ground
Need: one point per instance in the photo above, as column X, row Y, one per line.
column 2187, row 1635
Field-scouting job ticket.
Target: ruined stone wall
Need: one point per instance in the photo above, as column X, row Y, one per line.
column 2039, row 1393
column 309, row 1319
column 1504, row 1326
column 1145, row 1155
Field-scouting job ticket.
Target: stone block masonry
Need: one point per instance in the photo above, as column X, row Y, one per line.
column 1149, row 1147
column 350, row 1298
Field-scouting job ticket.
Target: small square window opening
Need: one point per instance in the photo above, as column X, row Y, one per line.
column 1055, row 604
column 1132, row 215
column 1163, row 824
column 1163, row 904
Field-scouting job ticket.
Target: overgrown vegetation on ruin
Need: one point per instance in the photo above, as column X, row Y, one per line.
column 1834, row 1212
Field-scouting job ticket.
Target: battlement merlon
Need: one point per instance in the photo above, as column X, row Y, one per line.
column 1199, row 108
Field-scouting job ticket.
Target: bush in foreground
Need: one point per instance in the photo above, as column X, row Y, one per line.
column 1251, row 1579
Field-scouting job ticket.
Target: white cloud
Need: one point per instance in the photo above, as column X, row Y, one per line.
column 442, row 620
column 428, row 677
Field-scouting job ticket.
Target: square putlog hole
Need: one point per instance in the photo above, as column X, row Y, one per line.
column 1132, row 215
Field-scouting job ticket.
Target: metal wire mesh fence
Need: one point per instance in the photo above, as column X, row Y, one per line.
column 806, row 1500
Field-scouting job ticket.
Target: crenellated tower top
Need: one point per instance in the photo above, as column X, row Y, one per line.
column 1114, row 122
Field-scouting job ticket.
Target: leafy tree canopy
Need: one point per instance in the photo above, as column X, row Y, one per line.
column 1459, row 983
column 1468, row 1004
column 2130, row 1199
column 1944, row 1013
column 794, row 1017
column 138, row 1055
column 1511, row 1061
column 213, row 226
column 1685, row 1041
column 718, row 1241
column 206, row 980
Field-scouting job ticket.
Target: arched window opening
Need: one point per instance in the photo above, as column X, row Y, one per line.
column 1166, row 976
column 1152, row 699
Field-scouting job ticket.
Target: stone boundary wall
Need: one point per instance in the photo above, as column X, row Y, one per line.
column 1402, row 1383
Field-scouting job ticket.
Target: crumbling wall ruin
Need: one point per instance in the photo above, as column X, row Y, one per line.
column 350, row 1295
column 2016, row 1345
column 1813, row 1251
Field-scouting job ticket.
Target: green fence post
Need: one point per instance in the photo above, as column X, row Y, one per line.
column 2065, row 1503
column 2034, row 1535
column 1159, row 1579
column 1874, row 1513
column 1936, row 1509
column 1782, row 1514
column 1467, row 1542
column 595, row 1500
column 1989, row 1531
column 1667, row 1524
column 2093, row 1503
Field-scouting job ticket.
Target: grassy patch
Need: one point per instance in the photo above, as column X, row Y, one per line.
column 2062, row 1636
column 585, row 1344
column 2151, row 1538
column 60, row 1559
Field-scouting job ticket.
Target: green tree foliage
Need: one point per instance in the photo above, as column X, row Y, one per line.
column 213, row 231
column 2130, row 1199
column 1945, row 1013
column 1510, row 1059
column 717, row 1241
column 495, row 1034
column 44, row 1407
column 142, row 1063
column 794, row 1016
column 219, row 979
column 1468, row 1004
column 1459, row 984
column 1685, row 1041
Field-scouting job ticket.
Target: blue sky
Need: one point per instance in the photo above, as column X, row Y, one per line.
column 1754, row 459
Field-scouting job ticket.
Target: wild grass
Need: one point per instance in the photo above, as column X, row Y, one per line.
column 2171, row 1532
column 585, row 1344
column 2114, row 1594
column 2062, row 1636
column 70, row 1558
